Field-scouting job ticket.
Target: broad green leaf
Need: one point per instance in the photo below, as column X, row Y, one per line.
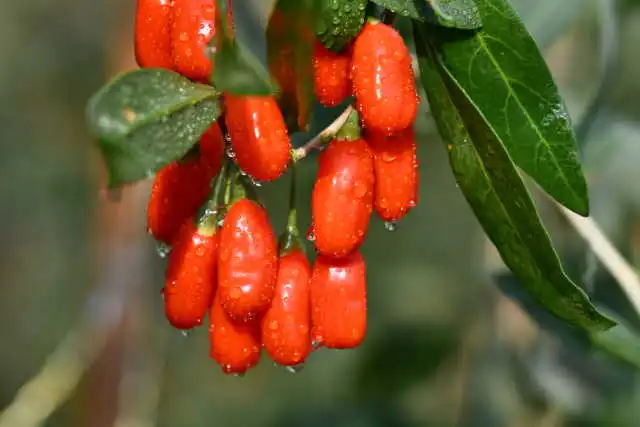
column 145, row 119
column 290, row 41
column 237, row 70
column 409, row 8
column 461, row 14
column 339, row 22
column 491, row 184
column 502, row 71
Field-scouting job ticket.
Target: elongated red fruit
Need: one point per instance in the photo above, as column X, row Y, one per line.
column 339, row 301
column 287, row 323
column 152, row 34
column 192, row 27
column 248, row 261
column 332, row 80
column 181, row 187
column 396, row 170
column 191, row 276
column 258, row 135
column 383, row 80
column 342, row 198
column 234, row 346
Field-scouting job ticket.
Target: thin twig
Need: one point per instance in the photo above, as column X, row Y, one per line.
column 47, row 390
column 317, row 141
column 607, row 253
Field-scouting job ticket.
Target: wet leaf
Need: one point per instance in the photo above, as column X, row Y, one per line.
column 503, row 73
column 145, row 119
column 494, row 189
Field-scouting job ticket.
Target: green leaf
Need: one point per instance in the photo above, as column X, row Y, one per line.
column 502, row 71
column 339, row 22
column 491, row 184
column 620, row 342
column 237, row 70
column 290, row 41
column 408, row 8
column 145, row 119
column 461, row 14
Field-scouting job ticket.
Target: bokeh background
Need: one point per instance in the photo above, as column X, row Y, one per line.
column 84, row 342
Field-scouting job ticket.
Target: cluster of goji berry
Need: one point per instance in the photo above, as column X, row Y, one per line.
column 225, row 259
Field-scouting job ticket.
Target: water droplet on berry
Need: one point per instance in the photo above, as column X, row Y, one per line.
column 185, row 333
column 388, row 157
column 311, row 236
column 390, row 226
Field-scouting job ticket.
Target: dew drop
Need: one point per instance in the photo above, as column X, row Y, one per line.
column 390, row 226
column 185, row 333
column 294, row 369
column 162, row 249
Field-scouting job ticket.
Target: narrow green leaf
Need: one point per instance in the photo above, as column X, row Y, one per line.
column 237, row 70
column 339, row 22
column 290, row 41
column 619, row 343
column 461, row 14
column 145, row 119
column 503, row 73
column 491, row 184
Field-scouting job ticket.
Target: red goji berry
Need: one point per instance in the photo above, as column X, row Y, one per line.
column 152, row 34
column 248, row 261
column 181, row 187
column 342, row 198
column 192, row 28
column 339, row 301
column 383, row 79
column 332, row 80
column 234, row 346
column 258, row 135
column 396, row 171
column 286, row 324
column 190, row 276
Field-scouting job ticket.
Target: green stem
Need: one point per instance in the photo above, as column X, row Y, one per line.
column 207, row 219
column 290, row 239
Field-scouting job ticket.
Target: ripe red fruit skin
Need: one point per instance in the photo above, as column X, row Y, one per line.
column 190, row 277
column 383, row 80
column 152, row 34
column 192, row 27
column 180, row 188
column 286, row 324
column 342, row 198
column 339, row 301
column 234, row 346
column 258, row 135
column 396, row 170
column 247, row 262
column 332, row 80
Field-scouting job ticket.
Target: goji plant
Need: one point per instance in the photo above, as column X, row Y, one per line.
column 209, row 121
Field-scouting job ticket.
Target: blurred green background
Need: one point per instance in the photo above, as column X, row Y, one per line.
column 80, row 294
